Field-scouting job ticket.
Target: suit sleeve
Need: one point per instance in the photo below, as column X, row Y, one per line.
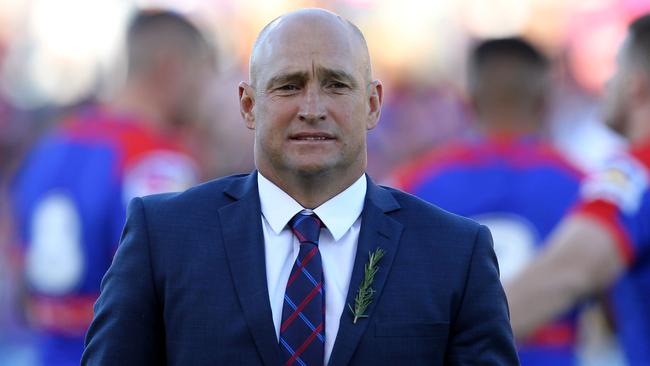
column 481, row 332
column 127, row 324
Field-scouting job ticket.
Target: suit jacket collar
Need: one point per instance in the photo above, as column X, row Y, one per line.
column 243, row 186
column 245, row 251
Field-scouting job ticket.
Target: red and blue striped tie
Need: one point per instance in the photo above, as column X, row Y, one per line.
column 302, row 333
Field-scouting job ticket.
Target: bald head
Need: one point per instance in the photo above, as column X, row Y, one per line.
column 311, row 103
column 303, row 25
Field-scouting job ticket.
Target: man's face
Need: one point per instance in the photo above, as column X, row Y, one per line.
column 313, row 103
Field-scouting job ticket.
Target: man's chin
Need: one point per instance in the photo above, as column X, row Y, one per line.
column 314, row 170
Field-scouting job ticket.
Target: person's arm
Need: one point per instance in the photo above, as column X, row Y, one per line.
column 480, row 333
column 127, row 327
column 580, row 259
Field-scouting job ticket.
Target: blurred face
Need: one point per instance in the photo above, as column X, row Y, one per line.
column 311, row 103
column 615, row 103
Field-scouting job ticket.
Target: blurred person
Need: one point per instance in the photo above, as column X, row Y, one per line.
column 604, row 244
column 508, row 176
column 70, row 194
column 260, row 268
column 19, row 129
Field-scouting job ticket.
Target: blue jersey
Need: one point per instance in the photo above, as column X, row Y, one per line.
column 619, row 198
column 69, row 199
column 520, row 188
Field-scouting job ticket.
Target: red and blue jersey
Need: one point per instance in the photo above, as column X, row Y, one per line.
column 520, row 188
column 619, row 198
column 70, row 199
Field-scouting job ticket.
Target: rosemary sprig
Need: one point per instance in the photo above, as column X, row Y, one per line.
column 365, row 291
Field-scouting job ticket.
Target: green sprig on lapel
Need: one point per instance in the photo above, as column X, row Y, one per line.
column 365, row 290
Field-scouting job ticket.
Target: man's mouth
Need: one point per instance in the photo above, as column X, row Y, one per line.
column 311, row 137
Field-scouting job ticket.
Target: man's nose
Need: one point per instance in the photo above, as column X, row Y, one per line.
column 312, row 108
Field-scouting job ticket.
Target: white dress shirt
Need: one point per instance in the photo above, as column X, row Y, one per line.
column 337, row 245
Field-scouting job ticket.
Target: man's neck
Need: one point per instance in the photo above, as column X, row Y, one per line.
column 311, row 191
column 509, row 124
column 136, row 102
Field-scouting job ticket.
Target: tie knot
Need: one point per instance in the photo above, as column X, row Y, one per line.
column 306, row 227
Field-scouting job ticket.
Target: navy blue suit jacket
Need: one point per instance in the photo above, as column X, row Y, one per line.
column 188, row 286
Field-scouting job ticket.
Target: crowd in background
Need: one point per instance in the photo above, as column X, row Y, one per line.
column 420, row 51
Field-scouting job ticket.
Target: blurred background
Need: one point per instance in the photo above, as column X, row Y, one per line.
column 57, row 56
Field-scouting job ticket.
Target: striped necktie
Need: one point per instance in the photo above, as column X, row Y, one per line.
column 302, row 332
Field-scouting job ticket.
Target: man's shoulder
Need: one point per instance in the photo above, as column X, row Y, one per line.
column 208, row 195
column 414, row 210
column 428, row 227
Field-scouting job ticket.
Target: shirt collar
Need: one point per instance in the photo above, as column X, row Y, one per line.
column 338, row 213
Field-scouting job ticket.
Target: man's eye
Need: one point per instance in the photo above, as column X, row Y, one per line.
column 288, row 87
column 337, row 85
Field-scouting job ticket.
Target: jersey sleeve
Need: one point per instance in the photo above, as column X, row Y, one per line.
column 618, row 197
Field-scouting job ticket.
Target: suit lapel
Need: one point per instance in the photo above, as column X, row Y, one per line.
column 378, row 230
column 241, row 226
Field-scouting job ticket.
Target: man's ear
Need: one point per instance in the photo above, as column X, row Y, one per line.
column 246, row 104
column 375, row 100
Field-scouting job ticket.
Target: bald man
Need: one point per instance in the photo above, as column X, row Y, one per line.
column 305, row 261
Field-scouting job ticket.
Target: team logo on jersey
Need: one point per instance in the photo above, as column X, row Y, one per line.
column 159, row 171
column 623, row 183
